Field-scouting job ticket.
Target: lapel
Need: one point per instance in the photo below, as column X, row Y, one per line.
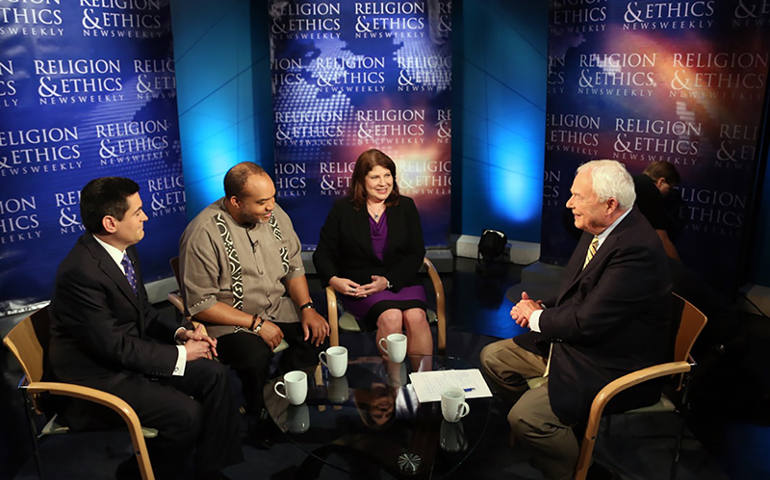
column 111, row 269
column 576, row 272
column 361, row 227
column 573, row 269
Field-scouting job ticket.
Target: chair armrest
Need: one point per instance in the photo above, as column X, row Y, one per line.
column 87, row 393
column 608, row 393
column 331, row 309
column 108, row 400
column 631, row 379
column 438, row 288
column 680, row 385
column 176, row 300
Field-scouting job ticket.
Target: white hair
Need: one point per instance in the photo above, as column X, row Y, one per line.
column 610, row 179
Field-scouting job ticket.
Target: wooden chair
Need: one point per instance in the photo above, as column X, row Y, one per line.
column 175, row 299
column 28, row 341
column 346, row 321
column 691, row 324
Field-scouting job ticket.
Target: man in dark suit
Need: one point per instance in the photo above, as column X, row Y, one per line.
column 106, row 335
column 609, row 319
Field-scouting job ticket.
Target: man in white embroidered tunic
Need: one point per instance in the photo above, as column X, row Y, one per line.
column 242, row 275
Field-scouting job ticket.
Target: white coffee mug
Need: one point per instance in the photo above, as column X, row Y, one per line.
column 298, row 418
column 335, row 359
column 452, row 437
column 395, row 346
column 295, row 384
column 453, row 406
column 337, row 390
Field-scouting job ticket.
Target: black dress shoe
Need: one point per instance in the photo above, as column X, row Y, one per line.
column 262, row 434
column 598, row 472
column 216, row 475
column 259, row 441
column 128, row 469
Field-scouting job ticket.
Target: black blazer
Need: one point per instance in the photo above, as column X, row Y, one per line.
column 609, row 319
column 345, row 245
column 101, row 331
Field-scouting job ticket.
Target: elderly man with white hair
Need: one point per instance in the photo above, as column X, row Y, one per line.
column 609, row 318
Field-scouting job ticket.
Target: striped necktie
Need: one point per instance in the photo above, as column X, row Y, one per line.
column 591, row 250
column 128, row 269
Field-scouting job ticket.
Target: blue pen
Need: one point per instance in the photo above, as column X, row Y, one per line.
column 469, row 389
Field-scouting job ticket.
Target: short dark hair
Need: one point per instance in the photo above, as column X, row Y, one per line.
column 105, row 196
column 663, row 169
column 364, row 164
column 236, row 177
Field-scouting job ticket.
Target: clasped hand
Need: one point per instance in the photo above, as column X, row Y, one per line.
column 346, row 286
column 198, row 345
column 523, row 309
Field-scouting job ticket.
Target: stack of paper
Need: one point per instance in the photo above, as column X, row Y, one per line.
column 430, row 385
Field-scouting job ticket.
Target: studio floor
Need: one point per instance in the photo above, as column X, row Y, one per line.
column 728, row 443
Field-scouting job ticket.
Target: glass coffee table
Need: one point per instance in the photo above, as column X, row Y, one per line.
column 370, row 419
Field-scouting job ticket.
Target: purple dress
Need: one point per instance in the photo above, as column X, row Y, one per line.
column 369, row 308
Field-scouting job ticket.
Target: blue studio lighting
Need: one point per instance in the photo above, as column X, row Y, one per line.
column 205, row 163
column 503, row 110
column 517, row 196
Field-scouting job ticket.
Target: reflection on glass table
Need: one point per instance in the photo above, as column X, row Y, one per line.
column 370, row 419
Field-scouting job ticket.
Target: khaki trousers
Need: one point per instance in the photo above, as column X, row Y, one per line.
column 534, row 426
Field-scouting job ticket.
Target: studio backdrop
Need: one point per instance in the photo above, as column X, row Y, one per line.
column 644, row 81
column 87, row 89
column 349, row 76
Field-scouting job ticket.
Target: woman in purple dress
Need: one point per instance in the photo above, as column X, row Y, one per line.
column 370, row 251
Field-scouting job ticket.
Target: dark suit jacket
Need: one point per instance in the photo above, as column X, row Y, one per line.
column 345, row 245
column 609, row 319
column 101, row 331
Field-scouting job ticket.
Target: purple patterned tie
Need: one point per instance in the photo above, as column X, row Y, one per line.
column 128, row 268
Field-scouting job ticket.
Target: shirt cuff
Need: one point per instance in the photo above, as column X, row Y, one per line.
column 204, row 303
column 176, row 337
column 534, row 321
column 294, row 272
column 181, row 361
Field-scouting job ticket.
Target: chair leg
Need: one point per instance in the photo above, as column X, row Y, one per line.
column 683, row 413
column 679, row 436
column 29, row 407
column 675, row 462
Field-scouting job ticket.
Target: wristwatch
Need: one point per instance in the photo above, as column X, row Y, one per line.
column 306, row 305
